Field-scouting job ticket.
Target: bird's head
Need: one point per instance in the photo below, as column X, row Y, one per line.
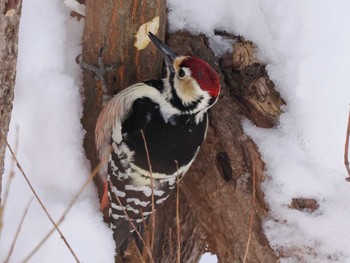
column 194, row 83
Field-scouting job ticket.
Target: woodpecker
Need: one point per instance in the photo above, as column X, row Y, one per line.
column 165, row 120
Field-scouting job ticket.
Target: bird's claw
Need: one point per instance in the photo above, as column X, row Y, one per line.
column 100, row 70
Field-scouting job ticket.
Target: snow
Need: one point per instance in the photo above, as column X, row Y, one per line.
column 208, row 258
column 306, row 47
column 47, row 111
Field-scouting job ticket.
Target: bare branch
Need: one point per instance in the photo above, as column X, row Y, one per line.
column 41, row 203
column 18, row 230
column 178, row 218
column 8, row 185
column 66, row 211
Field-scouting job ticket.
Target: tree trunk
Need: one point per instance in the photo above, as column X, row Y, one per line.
column 121, row 28
column 113, row 25
column 221, row 201
column 10, row 13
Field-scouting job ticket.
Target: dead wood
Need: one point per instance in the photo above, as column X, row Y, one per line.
column 250, row 85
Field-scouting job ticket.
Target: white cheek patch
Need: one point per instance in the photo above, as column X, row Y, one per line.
column 187, row 89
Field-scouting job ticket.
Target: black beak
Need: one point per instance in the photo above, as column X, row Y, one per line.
column 168, row 54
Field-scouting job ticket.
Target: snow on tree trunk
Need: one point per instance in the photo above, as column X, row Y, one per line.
column 10, row 13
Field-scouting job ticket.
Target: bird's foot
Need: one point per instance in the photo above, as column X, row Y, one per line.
column 100, row 70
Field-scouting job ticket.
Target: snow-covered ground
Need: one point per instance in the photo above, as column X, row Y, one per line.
column 47, row 111
column 306, row 46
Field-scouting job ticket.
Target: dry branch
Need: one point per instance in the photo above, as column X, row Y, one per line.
column 41, row 203
column 8, row 186
column 66, row 211
column 18, row 230
column 178, row 218
column 153, row 218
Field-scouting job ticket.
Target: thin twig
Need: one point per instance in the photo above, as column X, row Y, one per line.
column 144, row 223
column 18, row 230
column 346, row 152
column 140, row 255
column 66, row 211
column 8, row 185
column 252, row 213
column 135, row 229
column 153, row 218
column 178, row 222
column 41, row 203
column 178, row 225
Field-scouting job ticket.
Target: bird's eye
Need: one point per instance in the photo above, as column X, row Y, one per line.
column 181, row 73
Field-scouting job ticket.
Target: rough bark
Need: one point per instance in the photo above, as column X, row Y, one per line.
column 10, row 13
column 250, row 86
column 221, row 193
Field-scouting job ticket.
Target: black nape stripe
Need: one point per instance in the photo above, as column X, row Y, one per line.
column 177, row 102
column 171, row 80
